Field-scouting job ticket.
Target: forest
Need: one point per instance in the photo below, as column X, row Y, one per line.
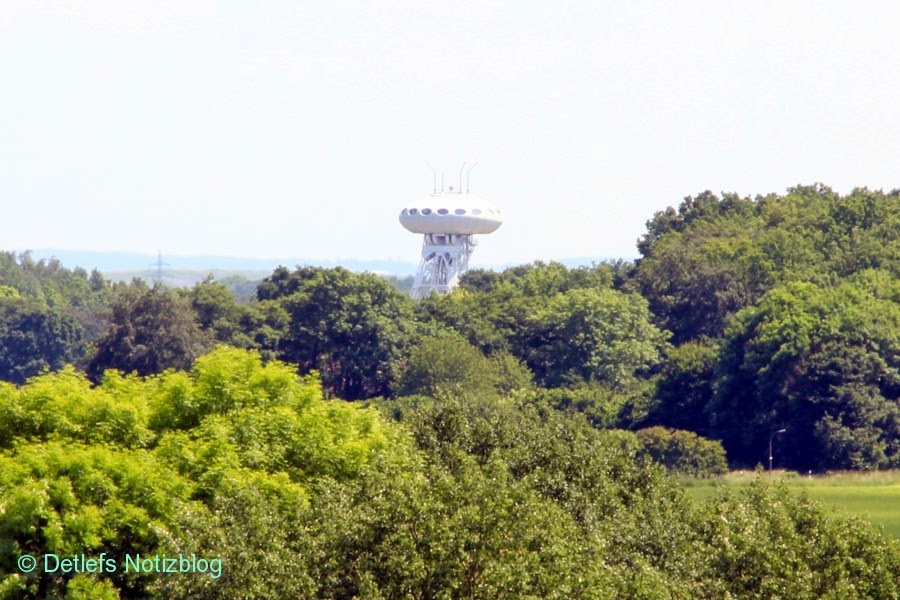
column 516, row 438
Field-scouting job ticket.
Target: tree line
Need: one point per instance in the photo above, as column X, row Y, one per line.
column 331, row 438
column 742, row 316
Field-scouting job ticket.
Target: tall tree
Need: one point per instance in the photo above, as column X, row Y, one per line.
column 685, row 387
column 714, row 256
column 34, row 337
column 593, row 335
column 695, row 280
column 823, row 364
column 219, row 313
column 352, row 328
column 151, row 329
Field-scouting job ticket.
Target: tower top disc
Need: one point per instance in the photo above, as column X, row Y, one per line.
column 452, row 213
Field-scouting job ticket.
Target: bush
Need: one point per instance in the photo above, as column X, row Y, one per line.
column 683, row 452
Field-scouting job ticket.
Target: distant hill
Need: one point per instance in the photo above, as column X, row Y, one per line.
column 136, row 264
column 187, row 270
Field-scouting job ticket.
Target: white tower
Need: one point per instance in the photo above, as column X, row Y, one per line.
column 449, row 222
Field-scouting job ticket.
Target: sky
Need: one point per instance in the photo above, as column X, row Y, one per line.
column 301, row 129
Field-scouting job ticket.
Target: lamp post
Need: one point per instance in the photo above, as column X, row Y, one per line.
column 771, row 438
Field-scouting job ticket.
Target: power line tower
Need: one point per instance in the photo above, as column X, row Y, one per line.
column 158, row 269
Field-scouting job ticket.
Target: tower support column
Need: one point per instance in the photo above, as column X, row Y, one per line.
column 445, row 257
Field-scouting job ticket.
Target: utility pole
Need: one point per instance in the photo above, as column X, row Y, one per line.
column 771, row 438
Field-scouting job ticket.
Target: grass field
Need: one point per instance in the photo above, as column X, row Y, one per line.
column 873, row 496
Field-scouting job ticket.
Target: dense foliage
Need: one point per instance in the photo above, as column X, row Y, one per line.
column 787, row 315
column 299, row 496
column 714, row 256
column 154, row 465
column 351, row 328
column 824, row 361
column 683, row 452
column 150, row 330
column 48, row 314
column 538, row 410
column 742, row 317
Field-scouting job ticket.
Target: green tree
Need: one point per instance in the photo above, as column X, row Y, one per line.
column 695, row 280
column 579, row 476
column 768, row 542
column 447, row 364
column 489, row 308
column 68, row 499
column 49, row 315
column 34, row 338
column 150, row 330
column 350, row 328
column 603, row 406
column 593, row 335
column 714, row 256
column 219, row 313
column 823, row 363
column 685, row 388
column 488, row 320
column 221, row 461
column 683, row 452
column 444, row 363
column 467, row 533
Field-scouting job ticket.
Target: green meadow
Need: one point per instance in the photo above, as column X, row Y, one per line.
column 872, row 496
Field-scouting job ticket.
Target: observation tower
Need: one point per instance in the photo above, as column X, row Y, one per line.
column 449, row 222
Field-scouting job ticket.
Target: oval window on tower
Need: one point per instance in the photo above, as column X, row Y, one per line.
column 460, row 211
column 476, row 211
column 426, row 211
column 412, row 211
column 443, row 211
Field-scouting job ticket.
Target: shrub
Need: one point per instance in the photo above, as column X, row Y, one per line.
column 683, row 452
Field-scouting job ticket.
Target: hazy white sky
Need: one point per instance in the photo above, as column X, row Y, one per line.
column 301, row 129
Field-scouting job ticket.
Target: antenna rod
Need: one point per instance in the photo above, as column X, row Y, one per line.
column 442, row 182
column 467, row 175
column 435, row 176
column 460, row 177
